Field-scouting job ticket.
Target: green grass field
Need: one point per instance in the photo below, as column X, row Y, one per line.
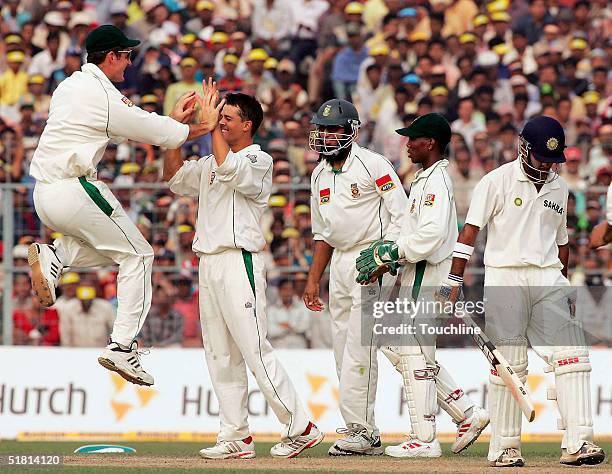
column 176, row 457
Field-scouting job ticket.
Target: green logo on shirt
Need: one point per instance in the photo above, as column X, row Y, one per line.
column 518, row 202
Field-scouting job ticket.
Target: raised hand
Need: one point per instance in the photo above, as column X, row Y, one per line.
column 185, row 107
column 210, row 105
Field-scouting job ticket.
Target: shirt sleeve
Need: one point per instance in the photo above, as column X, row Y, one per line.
column 389, row 187
column 186, row 181
column 609, row 205
column 249, row 176
column 486, row 202
column 434, row 215
column 130, row 121
column 562, row 236
column 317, row 224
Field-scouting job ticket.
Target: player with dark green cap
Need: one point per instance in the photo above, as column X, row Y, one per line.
column 425, row 249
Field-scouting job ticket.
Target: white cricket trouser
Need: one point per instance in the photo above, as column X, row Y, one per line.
column 356, row 363
column 97, row 231
column 233, row 317
column 530, row 304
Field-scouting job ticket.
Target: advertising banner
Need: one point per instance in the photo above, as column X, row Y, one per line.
column 65, row 392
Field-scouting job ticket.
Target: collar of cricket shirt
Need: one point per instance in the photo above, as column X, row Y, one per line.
column 521, row 176
column 94, row 70
column 440, row 164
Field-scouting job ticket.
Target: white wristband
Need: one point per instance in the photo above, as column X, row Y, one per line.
column 463, row 251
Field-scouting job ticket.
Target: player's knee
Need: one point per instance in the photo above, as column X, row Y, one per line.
column 575, row 359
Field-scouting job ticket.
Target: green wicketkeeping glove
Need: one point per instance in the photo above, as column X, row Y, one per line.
column 378, row 254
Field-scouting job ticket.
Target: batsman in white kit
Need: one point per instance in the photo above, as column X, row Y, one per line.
column 528, row 296
column 424, row 249
column 86, row 113
column 358, row 200
column 233, row 186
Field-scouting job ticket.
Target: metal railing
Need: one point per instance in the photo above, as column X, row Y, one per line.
column 8, row 229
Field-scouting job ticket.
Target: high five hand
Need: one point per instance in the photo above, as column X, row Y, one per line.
column 210, row 105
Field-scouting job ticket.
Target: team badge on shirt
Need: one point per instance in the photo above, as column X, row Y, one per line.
column 354, row 190
column 127, row 101
column 324, row 195
column 252, row 158
column 212, row 178
column 385, row 183
column 429, row 199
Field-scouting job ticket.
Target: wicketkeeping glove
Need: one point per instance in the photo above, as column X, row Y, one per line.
column 380, row 257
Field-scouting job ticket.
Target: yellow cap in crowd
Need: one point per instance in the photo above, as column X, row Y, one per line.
column 86, row 293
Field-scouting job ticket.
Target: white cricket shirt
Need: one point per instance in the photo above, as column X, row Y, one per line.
column 525, row 227
column 429, row 230
column 362, row 202
column 86, row 112
column 232, row 199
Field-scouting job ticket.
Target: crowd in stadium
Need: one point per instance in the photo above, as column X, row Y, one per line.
column 487, row 66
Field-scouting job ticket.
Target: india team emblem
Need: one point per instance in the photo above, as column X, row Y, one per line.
column 518, row 202
column 354, row 190
column 385, row 183
column 212, row 178
column 552, row 144
column 324, row 195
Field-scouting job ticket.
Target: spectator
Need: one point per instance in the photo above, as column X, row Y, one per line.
column 164, row 325
column 68, row 285
column 464, row 177
column 288, row 321
column 35, row 326
column 49, row 59
column 86, row 321
column 186, row 84
column 466, row 124
column 186, row 304
column 345, row 70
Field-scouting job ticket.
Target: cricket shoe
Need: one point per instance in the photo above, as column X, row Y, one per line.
column 126, row 362
column 589, row 454
column 510, row 457
column 356, row 441
column 308, row 439
column 415, row 448
column 469, row 429
column 241, row 449
column 46, row 272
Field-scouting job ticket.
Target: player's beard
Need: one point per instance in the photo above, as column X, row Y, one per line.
column 337, row 155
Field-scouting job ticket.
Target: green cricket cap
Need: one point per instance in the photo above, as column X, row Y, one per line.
column 431, row 125
column 106, row 38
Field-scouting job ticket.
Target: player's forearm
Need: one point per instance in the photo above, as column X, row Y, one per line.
column 467, row 236
column 197, row 130
column 322, row 255
column 608, row 235
column 220, row 146
column 564, row 257
column 173, row 160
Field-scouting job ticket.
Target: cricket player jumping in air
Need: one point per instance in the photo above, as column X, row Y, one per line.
column 87, row 111
column 528, row 297
column 353, row 185
column 424, row 246
column 233, row 186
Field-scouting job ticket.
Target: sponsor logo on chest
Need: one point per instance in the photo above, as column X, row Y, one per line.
column 212, row 178
column 430, row 199
column 554, row 206
column 324, row 196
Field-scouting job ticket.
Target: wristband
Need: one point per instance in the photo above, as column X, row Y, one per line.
column 463, row 251
column 455, row 279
